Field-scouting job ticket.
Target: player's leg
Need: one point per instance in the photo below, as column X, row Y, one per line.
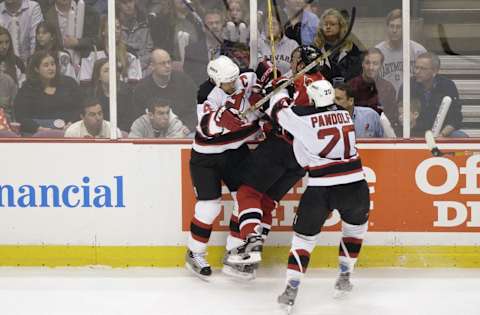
column 263, row 168
column 231, row 175
column 312, row 213
column 353, row 203
column 207, row 185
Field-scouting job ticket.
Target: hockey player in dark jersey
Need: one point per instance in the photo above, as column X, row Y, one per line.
column 219, row 149
column 270, row 173
column 324, row 144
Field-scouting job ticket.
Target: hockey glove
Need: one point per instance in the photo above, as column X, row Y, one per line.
column 227, row 118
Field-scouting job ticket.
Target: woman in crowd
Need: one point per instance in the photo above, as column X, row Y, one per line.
column 344, row 64
column 47, row 100
column 9, row 62
column 46, row 39
column 100, row 90
column 284, row 46
column 128, row 66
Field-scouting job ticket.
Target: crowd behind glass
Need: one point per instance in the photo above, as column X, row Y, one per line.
column 54, row 70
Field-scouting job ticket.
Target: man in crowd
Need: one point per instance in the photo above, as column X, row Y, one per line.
column 92, row 124
column 430, row 88
column 392, row 70
column 20, row 18
column 159, row 122
column 366, row 120
column 168, row 84
column 370, row 89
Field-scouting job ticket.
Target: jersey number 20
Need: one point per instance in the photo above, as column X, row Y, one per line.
column 336, row 134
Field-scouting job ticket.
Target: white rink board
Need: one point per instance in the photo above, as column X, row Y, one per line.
column 151, row 181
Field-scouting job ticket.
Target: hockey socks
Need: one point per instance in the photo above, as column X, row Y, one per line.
column 201, row 224
column 350, row 245
column 268, row 205
column 299, row 257
column 250, row 213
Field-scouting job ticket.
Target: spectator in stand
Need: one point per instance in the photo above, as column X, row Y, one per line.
column 46, row 39
column 129, row 68
column 392, row 69
column 344, row 64
column 366, row 120
column 168, row 84
column 284, row 46
column 371, row 90
column 430, row 88
column 47, row 100
column 8, row 90
column 100, row 6
column 416, row 131
column 208, row 47
column 92, row 124
column 100, row 91
column 236, row 28
column 162, row 20
column 57, row 16
column 302, row 24
column 135, row 30
column 20, row 18
column 158, row 122
column 10, row 63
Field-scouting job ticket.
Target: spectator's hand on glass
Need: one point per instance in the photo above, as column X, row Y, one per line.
column 70, row 42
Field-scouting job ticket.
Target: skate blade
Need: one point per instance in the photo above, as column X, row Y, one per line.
column 251, row 258
column 231, row 272
column 201, row 277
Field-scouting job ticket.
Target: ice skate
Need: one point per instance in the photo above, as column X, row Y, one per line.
column 198, row 265
column 287, row 298
column 249, row 253
column 343, row 285
column 238, row 271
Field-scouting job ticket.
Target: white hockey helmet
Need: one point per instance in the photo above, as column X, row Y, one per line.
column 222, row 70
column 321, row 93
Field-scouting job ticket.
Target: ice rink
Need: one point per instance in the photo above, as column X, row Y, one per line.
column 151, row 291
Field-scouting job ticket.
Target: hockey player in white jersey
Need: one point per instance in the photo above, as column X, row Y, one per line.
column 219, row 149
column 324, row 144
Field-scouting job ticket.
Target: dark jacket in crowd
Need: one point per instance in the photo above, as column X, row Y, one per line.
column 180, row 91
column 343, row 65
column 431, row 100
column 31, row 103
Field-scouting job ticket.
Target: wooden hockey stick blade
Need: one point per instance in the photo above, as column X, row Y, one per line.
column 307, row 68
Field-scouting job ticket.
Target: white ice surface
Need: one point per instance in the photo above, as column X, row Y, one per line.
column 150, row 291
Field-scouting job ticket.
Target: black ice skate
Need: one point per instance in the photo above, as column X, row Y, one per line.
column 238, row 271
column 198, row 265
column 287, row 298
column 343, row 285
column 249, row 253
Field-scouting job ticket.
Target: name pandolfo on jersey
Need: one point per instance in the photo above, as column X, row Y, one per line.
column 328, row 119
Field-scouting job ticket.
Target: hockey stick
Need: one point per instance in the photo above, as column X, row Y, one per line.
column 197, row 17
column 442, row 113
column 443, row 41
column 309, row 67
column 432, row 146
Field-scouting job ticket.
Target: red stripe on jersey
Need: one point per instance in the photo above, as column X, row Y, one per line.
column 319, row 167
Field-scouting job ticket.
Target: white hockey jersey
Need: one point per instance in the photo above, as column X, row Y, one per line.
column 324, row 143
column 211, row 138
